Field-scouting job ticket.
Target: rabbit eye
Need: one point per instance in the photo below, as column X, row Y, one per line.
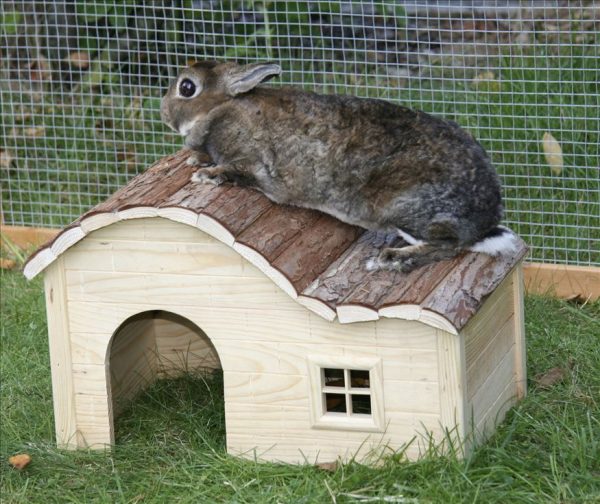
column 187, row 88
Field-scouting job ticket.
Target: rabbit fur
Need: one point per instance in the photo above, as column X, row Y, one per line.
column 367, row 162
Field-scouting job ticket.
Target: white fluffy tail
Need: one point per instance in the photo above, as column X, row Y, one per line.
column 499, row 241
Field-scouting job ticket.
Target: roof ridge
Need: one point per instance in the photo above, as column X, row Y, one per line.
column 316, row 259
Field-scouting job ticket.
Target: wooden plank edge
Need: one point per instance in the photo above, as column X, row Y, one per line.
column 317, row 306
column 215, row 229
column 137, row 212
column 557, row 280
column 258, row 260
column 349, row 313
column 519, row 330
column 66, row 239
column 562, row 281
column 38, row 262
column 179, row 214
column 415, row 312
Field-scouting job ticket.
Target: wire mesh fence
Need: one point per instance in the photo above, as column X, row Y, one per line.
column 81, row 83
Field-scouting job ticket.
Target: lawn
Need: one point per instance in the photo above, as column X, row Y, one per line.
column 171, row 440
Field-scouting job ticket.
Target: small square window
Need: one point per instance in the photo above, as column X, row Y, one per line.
column 359, row 378
column 347, row 380
column 347, row 394
column 333, row 377
column 361, row 404
column 335, row 403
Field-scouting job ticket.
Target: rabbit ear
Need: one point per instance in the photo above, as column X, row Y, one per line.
column 245, row 78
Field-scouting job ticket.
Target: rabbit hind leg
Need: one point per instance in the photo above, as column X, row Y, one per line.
column 442, row 242
column 408, row 258
column 214, row 175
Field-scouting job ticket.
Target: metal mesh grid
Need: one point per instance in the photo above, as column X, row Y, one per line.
column 81, row 82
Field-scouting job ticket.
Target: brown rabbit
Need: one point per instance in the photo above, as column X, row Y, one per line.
column 366, row 162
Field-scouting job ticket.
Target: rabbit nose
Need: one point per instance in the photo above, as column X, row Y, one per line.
column 165, row 116
column 167, row 120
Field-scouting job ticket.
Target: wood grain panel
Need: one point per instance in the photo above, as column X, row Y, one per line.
column 239, row 209
column 149, row 187
column 195, row 196
column 411, row 397
column 348, row 271
column 61, row 366
column 501, row 343
column 520, row 343
column 312, row 252
column 492, row 387
column 133, row 359
column 90, row 379
column 156, row 229
column 496, row 311
column 452, row 385
column 94, row 421
column 182, row 348
column 175, row 291
column 276, row 229
column 490, row 419
column 89, row 348
column 563, row 280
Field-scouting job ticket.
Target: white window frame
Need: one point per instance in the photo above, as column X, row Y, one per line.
column 323, row 419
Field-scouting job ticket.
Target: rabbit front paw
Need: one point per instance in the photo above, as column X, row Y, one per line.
column 213, row 175
column 192, row 160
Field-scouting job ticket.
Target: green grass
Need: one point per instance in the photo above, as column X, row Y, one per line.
column 171, row 445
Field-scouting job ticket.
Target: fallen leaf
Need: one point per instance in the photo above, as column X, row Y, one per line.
column 79, row 59
column 551, row 377
column 553, row 153
column 35, row 132
column 7, row 263
column 484, row 76
column 128, row 158
column 575, row 299
column 20, row 461
column 22, row 116
column 6, row 158
column 486, row 81
column 40, row 69
column 328, row 466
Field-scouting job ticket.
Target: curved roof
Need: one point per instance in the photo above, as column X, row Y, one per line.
column 313, row 257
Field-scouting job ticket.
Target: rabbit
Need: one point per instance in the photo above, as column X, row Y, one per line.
column 367, row 162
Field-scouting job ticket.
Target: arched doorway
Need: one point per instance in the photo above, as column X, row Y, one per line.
column 152, row 345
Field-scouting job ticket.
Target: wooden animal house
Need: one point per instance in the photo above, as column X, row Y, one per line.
column 320, row 358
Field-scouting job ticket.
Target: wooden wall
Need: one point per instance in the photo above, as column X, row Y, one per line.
column 262, row 338
column 495, row 357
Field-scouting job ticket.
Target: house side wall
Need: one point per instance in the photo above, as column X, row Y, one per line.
column 494, row 350
column 61, row 365
column 133, row 361
column 452, row 390
column 263, row 338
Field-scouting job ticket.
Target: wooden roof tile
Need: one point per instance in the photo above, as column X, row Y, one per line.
column 309, row 254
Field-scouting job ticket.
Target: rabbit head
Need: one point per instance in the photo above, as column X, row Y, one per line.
column 204, row 86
